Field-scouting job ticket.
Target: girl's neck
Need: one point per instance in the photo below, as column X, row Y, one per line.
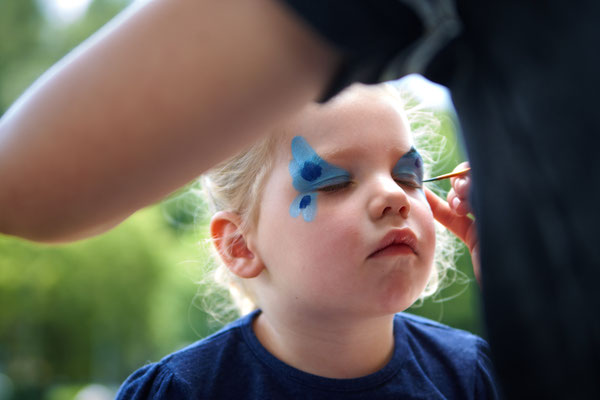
column 340, row 348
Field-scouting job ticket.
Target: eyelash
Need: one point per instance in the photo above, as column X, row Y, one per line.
column 334, row 188
column 409, row 180
column 340, row 186
column 410, row 184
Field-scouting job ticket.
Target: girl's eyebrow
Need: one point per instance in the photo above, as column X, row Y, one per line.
column 337, row 153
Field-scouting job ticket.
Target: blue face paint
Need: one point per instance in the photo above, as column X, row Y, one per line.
column 409, row 169
column 310, row 173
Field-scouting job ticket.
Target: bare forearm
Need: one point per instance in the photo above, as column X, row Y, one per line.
column 146, row 106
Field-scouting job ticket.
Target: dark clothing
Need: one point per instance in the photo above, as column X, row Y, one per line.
column 525, row 81
column 430, row 361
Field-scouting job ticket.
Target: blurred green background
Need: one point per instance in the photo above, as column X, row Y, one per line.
column 76, row 320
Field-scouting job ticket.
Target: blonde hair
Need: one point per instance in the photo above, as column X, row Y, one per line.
column 236, row 185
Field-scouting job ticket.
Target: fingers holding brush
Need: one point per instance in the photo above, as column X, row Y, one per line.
column 458, row 196
column 453, row 214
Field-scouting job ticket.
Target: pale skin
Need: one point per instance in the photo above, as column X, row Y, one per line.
column 320, row 291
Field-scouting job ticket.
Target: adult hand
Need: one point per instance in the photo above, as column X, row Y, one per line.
column 454, row 214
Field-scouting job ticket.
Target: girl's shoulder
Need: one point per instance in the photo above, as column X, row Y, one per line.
column 178, row 375
column 421, row 326
column 458, row 359
column 431, row 340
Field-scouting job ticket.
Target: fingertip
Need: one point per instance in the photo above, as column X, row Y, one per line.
column 461, row 187
column 463, row 209
column 450, row 196
column 462, row 165
column 455, row 204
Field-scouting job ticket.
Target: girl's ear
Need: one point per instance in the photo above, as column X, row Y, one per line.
column 231, row 245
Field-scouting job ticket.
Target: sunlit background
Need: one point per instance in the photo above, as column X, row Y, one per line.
column 64, row 11
column 76, row 320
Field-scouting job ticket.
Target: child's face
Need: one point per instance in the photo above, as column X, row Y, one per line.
column 328, row 261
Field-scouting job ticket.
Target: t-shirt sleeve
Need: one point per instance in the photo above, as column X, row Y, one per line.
column 485, row 381
column 154, row 381
column 380, row 40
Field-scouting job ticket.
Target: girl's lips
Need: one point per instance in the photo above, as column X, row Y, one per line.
column 393, row 250
column 396, row 242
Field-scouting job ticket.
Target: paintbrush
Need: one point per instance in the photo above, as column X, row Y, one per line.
column 446, row 176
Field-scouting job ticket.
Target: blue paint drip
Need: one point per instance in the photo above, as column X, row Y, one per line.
column 305, row 202
column 310, row 173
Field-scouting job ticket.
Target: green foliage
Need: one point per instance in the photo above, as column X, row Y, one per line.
column 457, row 305
column 20, row 23
column 98, row 309
column 186, row 210
column 29, row 45
column 63, row 392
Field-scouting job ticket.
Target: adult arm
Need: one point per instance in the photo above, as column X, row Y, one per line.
column 159, row 95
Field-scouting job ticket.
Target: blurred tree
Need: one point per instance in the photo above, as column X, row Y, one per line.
column 20, row 24
column 98, row 309
column 30, row 43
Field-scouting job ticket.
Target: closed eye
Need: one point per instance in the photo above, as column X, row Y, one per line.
column 409, row 181
column 335, row 187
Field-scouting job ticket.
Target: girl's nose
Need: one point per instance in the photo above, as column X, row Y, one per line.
column 388, row 199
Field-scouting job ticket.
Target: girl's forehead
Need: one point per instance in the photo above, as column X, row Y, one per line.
column 352, row 126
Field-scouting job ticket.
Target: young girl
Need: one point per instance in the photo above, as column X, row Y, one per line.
column 327, row 230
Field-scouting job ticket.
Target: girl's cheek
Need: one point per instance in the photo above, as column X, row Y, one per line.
column 423, row 212
column 419, row 200
column 419, row 194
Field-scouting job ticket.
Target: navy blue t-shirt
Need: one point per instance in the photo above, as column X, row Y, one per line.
column 430, row 361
